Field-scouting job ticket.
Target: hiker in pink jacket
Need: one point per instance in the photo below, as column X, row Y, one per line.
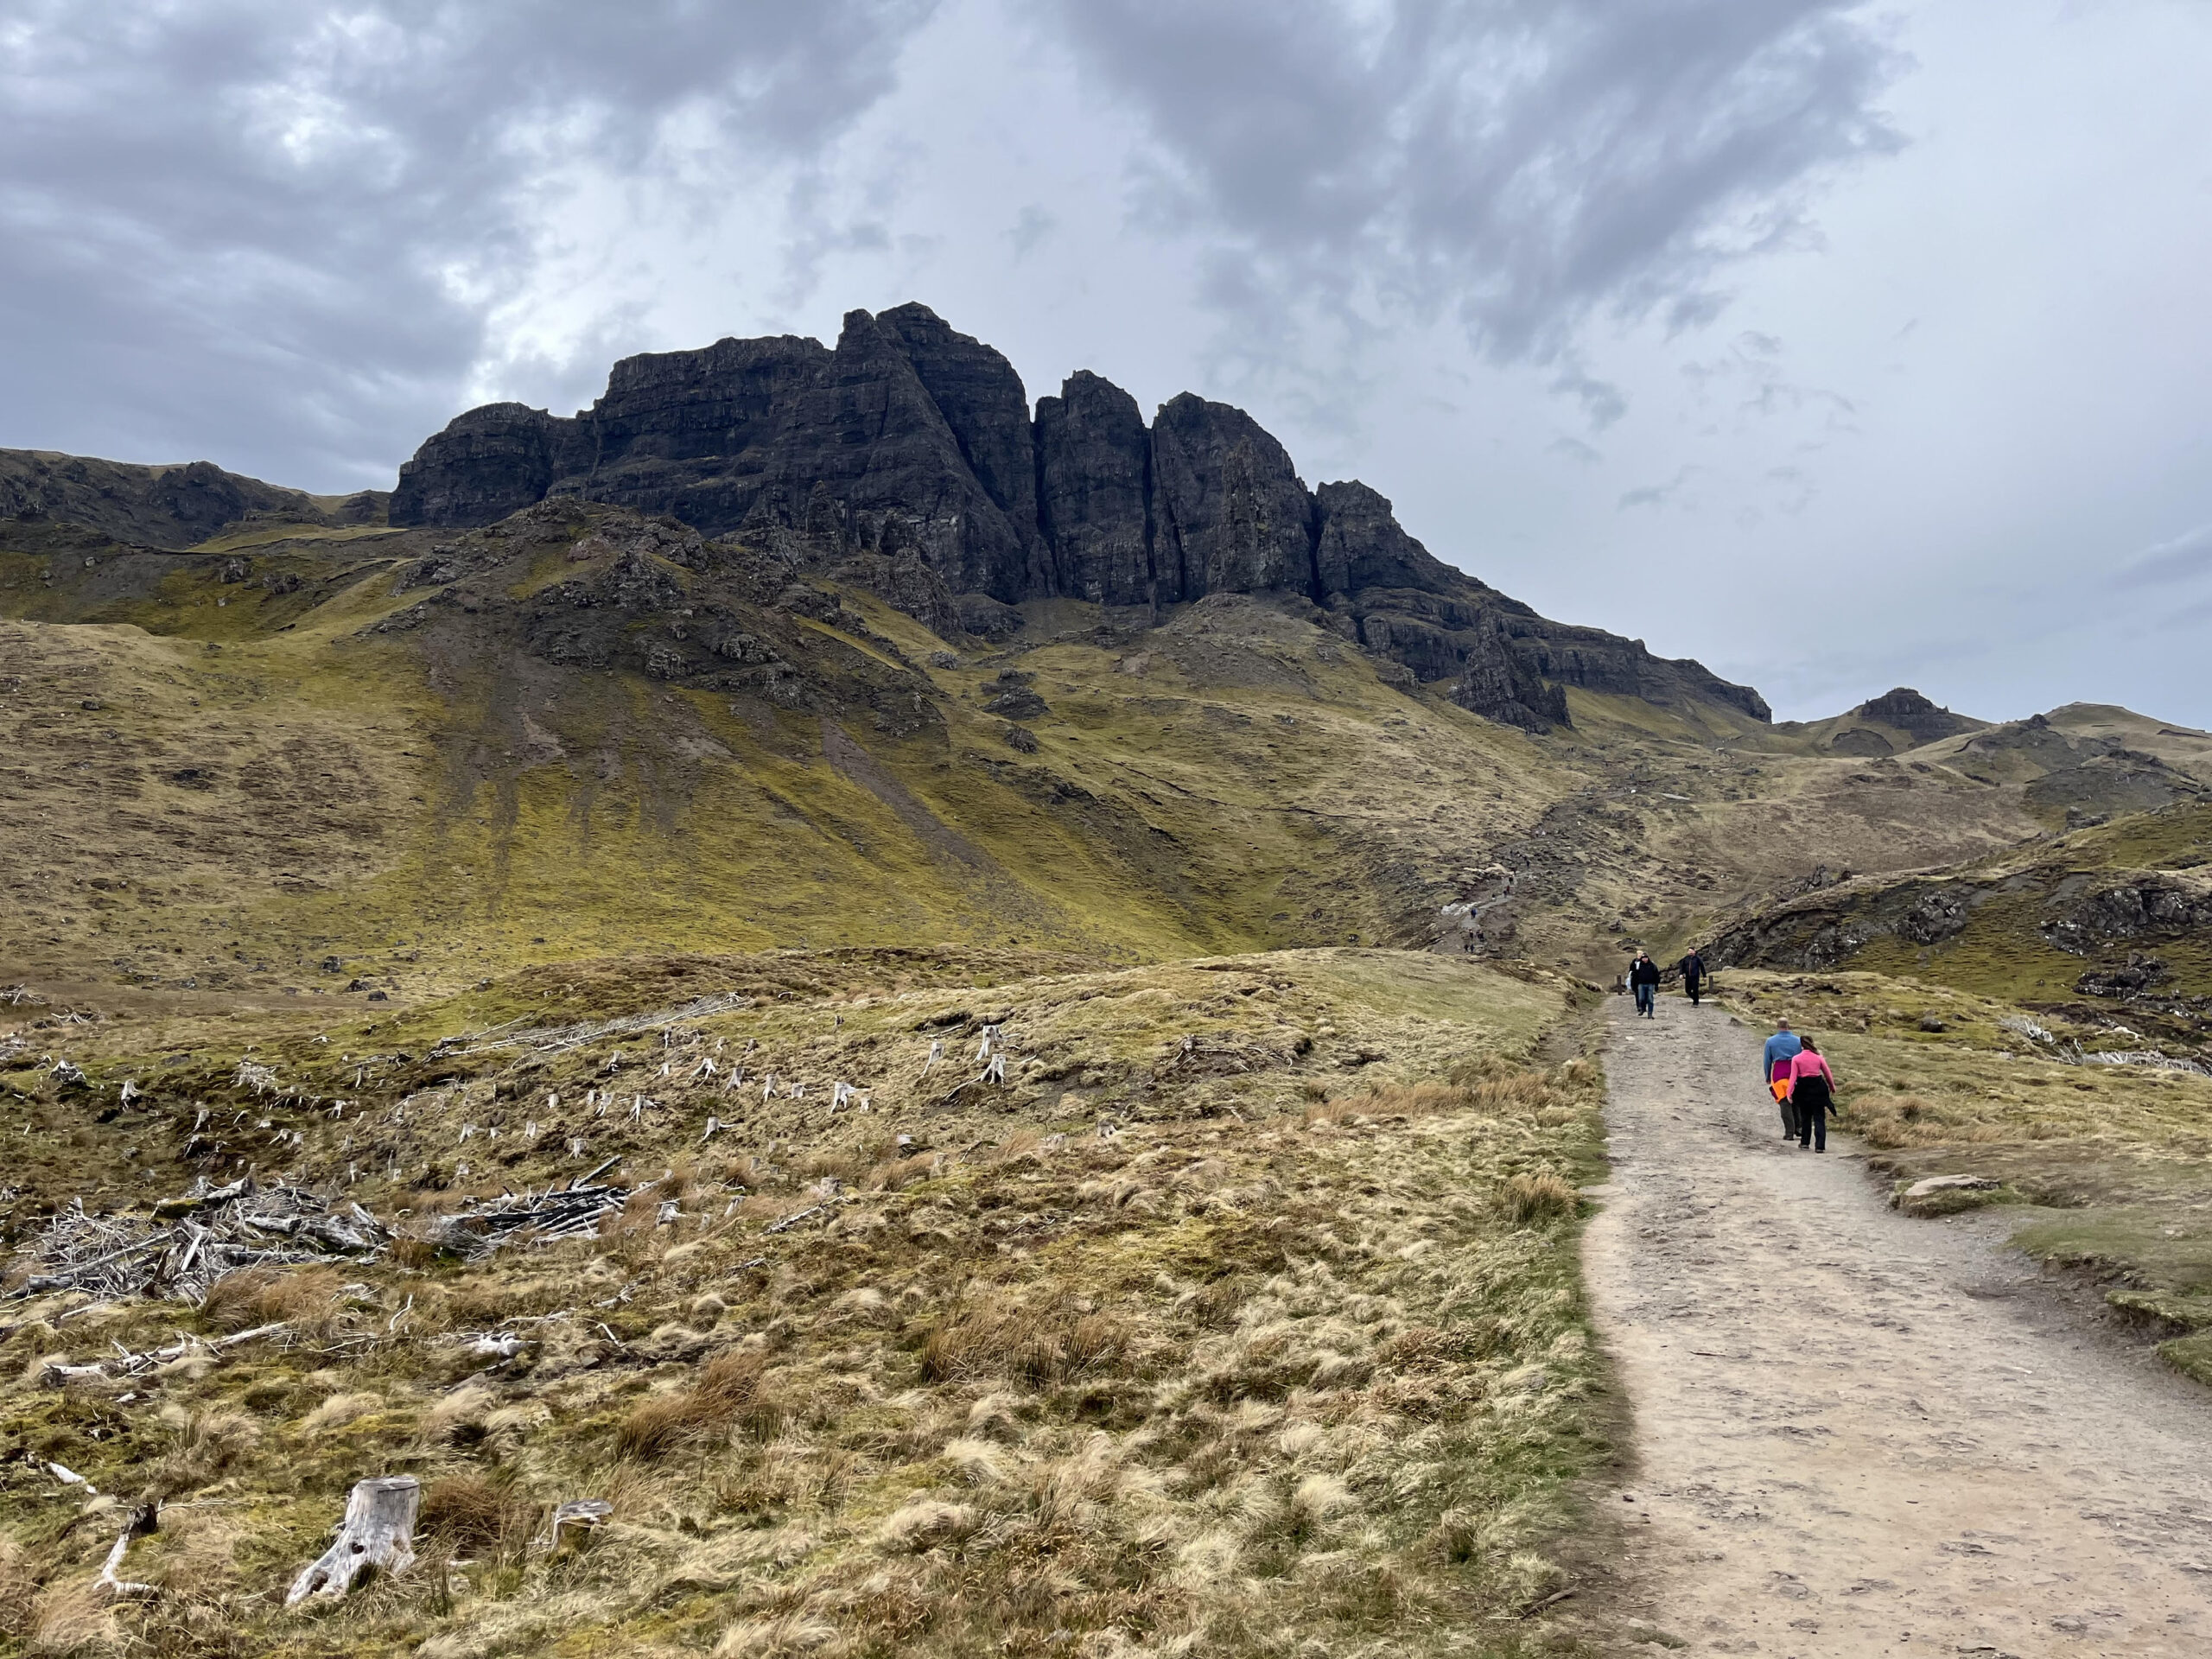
column 1812, row 1092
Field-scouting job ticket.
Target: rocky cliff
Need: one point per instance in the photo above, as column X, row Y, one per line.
column 911, row 442
column 161, row 506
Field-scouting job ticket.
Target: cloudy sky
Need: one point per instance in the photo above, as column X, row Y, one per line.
column 1838, row 346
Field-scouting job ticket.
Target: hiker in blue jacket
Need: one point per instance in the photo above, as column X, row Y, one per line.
column 1781, row 1049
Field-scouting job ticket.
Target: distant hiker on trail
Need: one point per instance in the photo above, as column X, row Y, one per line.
column 1781, row 1049
column 1643, row 980
column 1692, row 967
column 1812, row 1095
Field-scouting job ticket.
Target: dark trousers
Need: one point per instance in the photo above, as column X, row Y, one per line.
column 1790, row 1123
column 1643, row 993
column 1693, row 986
column 1813, row 1103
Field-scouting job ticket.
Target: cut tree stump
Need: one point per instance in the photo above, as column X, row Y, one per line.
column 377, row 1534
column 581, row 1515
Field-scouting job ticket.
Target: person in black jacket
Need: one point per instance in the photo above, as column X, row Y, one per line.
column 1692, row 967
column 1643, row 980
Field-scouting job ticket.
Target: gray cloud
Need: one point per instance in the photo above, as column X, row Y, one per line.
column 1031, row 226
column 2185, row 559
column 275, row 228
column 1657, row 495
column 1516, row 164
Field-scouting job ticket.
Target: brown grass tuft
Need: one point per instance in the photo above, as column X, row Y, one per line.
column 18, row 1585
column 340, row 1410
column 208, row 1445
column 904, row 1171
column 727, row 1391
column 773, row 1639
column 468, row 1514
column 1526, row 1199
column 1039, row 1346
column 308, row 1299
column 74, row 1620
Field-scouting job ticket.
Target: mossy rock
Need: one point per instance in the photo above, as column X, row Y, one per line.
column 2171, row 1314
column 2191, row 1356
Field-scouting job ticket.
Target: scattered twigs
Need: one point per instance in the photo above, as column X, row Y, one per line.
column 194, row 1239
column 572, row 1211
column 551, row 1039
column 130, row 1364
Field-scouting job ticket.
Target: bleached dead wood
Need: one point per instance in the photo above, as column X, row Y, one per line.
column 191, row 1240
column 142, row 1521
column 551, row 1039
column 377, row 1534
column 583, row 1515
column 131, row 1364
column 573, row 1212
column 69, row 1477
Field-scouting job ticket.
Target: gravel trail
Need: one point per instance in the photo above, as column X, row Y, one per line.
column 1857, row 1434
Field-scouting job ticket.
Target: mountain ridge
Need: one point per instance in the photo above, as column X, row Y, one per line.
column 166, row 506
column 908, row 437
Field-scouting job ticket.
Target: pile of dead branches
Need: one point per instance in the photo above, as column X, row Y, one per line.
column 570, row 1211
column 190, row 1242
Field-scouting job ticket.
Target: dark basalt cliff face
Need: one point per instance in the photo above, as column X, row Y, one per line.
column 911, row 442
column 169, row 507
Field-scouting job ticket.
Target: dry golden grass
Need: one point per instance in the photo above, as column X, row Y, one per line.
column 466, row 1514
column 1039, row 1347
column 1136, row 1348
column 18, row 1589
column 726, row 1393
column 1525, row 1198
column 310, row 1299
column 74, row 1620
column 207, row 1445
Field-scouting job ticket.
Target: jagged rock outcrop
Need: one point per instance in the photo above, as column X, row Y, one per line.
column 1094, row 491
column 1906, row 710
column 1360, row 544
column 171, row 507
column 910, row 448
column 1232, row 517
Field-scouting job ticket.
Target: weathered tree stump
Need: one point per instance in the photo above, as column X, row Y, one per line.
column 580, row 1516
column 377, row 1534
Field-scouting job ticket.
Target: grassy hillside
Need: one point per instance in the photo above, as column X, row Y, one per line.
column 268, row 759
column 2111, row 925
column 1241, row 1315
column 297, row 761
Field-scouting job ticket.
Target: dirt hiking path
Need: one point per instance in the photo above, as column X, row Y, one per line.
column 1857, row 1434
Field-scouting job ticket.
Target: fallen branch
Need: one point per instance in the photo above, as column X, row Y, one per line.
column 573, row 1212
column 130, row 1364
column 142, row 1521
